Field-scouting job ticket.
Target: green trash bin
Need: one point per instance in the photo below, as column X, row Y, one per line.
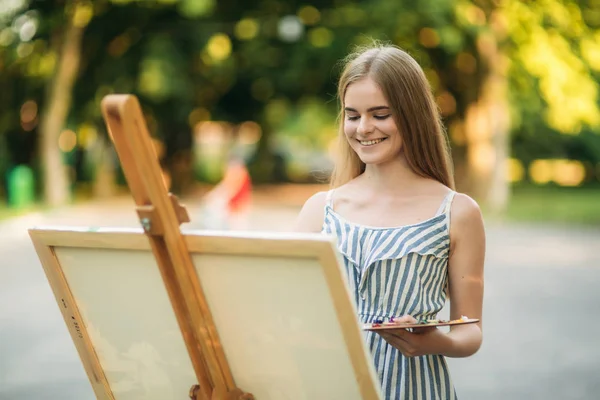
column 21, row 188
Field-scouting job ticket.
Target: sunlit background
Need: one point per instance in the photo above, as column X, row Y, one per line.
column 223, row 81
column 516, row 82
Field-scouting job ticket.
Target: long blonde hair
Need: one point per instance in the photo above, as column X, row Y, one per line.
column 413, row 107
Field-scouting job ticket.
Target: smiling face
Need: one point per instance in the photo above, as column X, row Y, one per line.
column 369, row 125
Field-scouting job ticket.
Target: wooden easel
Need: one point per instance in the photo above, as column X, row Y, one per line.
column 160, row 215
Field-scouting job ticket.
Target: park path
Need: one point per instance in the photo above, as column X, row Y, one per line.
column 541, row 297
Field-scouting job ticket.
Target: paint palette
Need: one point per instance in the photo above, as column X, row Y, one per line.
column 382, row 325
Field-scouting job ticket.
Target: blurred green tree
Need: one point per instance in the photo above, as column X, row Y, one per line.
column 530, row 68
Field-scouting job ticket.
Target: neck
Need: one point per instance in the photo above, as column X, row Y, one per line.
column 389, row 176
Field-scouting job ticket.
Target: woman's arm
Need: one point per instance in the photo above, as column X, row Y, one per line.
column 465, row 280
column 312, row 214
column 465, row 275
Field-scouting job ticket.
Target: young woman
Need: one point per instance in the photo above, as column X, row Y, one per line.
column 408, row 239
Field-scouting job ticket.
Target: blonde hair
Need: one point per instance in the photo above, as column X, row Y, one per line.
column 413, row 107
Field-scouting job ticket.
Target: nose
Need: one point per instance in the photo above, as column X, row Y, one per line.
column 364, row 127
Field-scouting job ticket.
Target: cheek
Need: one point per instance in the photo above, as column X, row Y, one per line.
column 349, row 128
column 389, row 127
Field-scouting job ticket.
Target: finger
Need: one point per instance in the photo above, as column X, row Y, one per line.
column 425, row 329
column 399, row 344
column 399, row 333
column 405, row 319
column 389, row 335
column 394, row 341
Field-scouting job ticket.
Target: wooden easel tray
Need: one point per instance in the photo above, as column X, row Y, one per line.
column 435, row 324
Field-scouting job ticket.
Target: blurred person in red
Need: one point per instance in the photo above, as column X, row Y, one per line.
column 227, row 206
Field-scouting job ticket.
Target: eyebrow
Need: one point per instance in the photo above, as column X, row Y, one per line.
column 377, row 108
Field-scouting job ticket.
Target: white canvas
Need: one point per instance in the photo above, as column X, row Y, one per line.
column 280, row 305
column 128, row 316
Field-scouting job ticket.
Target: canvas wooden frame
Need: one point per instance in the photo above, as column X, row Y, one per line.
column 292, row 246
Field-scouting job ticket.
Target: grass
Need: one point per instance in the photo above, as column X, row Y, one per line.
column 530, row 204
column 8, row 212
column 579, row 206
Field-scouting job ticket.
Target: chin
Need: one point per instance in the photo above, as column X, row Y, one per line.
column 372, row 159
column 376, row 158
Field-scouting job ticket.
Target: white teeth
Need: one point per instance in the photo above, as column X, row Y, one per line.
column 370, row 142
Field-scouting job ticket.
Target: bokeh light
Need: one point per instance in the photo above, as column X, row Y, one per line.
column 320, row 37
column 309, row 15
column 246, row 29
column 249, row 133
column 515, row 170
column 67, row 140
column 219, row 47
column 290, row 28
column 429, row 37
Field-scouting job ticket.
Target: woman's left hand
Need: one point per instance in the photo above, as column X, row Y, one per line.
column 426, row 340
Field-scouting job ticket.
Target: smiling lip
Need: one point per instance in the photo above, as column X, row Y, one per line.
column 370, row 142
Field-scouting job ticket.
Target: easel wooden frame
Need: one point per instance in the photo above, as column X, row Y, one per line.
column 46, row 240
column 160, row 216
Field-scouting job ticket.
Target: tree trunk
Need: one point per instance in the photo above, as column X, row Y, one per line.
column 487, row 133
column 58, row 102
column 105, row 179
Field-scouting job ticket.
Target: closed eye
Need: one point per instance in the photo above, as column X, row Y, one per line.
column 382, row 117
column 378, row 117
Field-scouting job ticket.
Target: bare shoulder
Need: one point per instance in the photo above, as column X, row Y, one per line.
column 464, row 208
column 466, row 219
column 312, row 214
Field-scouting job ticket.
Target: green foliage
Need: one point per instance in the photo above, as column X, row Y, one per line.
column 274, row 62
column 554, row 54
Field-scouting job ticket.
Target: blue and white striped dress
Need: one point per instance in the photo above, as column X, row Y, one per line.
column 394, row 272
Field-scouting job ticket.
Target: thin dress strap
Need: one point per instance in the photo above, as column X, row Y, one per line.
column 446, row 204
column 329, row 199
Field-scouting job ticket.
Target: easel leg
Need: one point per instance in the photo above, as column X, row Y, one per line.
column 236, row 394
